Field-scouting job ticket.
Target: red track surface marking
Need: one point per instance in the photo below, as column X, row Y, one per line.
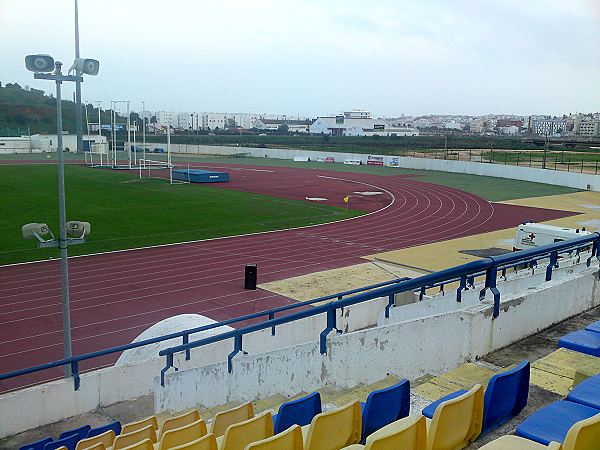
column 115, row 296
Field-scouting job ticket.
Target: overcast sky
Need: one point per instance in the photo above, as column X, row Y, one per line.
column 320, row 56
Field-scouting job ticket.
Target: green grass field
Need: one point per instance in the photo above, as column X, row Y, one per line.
column 126, row 212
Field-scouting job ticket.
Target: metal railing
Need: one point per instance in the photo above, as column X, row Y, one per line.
column 464, row 274
column 185, row 334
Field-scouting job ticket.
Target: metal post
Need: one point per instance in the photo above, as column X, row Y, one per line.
column 78, row 118
column 62, row 242
column 144, row 130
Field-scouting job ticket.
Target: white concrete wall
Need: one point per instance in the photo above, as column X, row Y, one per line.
column 555, row 177
column 409, row 348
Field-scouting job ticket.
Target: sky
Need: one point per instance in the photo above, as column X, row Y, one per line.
column 316, row 57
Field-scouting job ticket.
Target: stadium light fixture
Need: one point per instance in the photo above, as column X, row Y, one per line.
column 46, row 68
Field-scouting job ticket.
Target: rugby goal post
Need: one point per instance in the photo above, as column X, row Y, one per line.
column 97, row 156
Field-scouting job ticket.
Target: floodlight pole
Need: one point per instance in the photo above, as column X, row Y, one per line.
column 58, row 77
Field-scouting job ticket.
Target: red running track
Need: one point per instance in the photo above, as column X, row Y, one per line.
column 116, row 296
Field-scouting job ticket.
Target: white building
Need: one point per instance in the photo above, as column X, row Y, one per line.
column 294, row 125
column 213, row 121
column 587, row 125
column 188, row 121
column 548, row 126
column 165, row 118
column 358, row 123
column 45, row 143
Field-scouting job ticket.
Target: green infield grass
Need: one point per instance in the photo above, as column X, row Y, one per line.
column 126, row 212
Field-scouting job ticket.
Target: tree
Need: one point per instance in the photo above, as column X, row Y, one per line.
column 231, row 123
column 283, row 128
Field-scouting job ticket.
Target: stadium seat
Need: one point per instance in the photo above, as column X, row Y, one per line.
column 290, row 439
column 409, row 433
column 134, row 426
column 239, row 435
column 128, row 439
column 594, row 326
column 584, row 435
column 208, row 442
column 297, row 412
column 232, row 416
column 179, row 421
column 505, row 397
column 582, row 341
column 335, row 429
column 456, row 423
column 107, row 438
column 553, row 422
column 587, row 392
column 114, row 426
column 37, row 445
column 82, row 432
column 146, row 444
column 385, row 406
column 183, row 435
column 518, row 443
column 70, row 442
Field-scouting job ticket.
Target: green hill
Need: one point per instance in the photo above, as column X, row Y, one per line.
column 24, row 110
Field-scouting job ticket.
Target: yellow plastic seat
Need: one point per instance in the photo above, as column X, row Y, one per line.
column 232, row 416
column 208, row 442
column 409, row 433
column 146, row 444
column 128, row 439
column 584, row 435
column 107, row 438
column 179, row 421
column 241, row 434
column 456, row 422
column 134, row 426
column 335, row 429
column 518, row 443
column 290, row 439
column 183, row 435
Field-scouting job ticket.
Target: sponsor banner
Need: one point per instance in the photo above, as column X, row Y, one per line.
column 325, row 159
column 375, row 160
column 394, row 162
column 352, row 162
column 301, row 159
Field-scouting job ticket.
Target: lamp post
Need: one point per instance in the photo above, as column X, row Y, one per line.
column 45, row 68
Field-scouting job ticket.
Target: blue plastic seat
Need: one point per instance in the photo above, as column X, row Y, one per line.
column 582, row 341
column 594, row 326
column 82, row 432
column 297, row 412
column 505, row 396
column 552, row 422
column 70, row 442
column 115, row 426
column 37, row 445
column 587, row 392
column 385, row 406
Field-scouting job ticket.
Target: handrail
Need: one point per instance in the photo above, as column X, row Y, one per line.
column 488, row 266
column 185, row 334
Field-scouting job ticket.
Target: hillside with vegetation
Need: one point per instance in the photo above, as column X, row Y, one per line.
column 27, row 110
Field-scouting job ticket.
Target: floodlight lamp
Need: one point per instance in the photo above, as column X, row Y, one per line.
column 39, row 63
column 78, row 229
column 86, row 65
column 35, row 231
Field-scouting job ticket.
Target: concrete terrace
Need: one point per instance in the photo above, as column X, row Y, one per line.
column 553, row 373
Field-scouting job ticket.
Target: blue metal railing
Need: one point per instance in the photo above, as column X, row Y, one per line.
column 185, row 334
column 464, row 274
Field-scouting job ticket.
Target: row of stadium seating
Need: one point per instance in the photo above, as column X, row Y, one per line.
column 584, row 341
column 458, row 418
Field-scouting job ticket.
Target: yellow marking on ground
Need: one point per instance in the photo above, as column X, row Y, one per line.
column 558, row 371
column 463, row 377
column 360, row 392
column 327, row 282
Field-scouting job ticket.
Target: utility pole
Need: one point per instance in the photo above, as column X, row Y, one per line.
column 78, row 74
